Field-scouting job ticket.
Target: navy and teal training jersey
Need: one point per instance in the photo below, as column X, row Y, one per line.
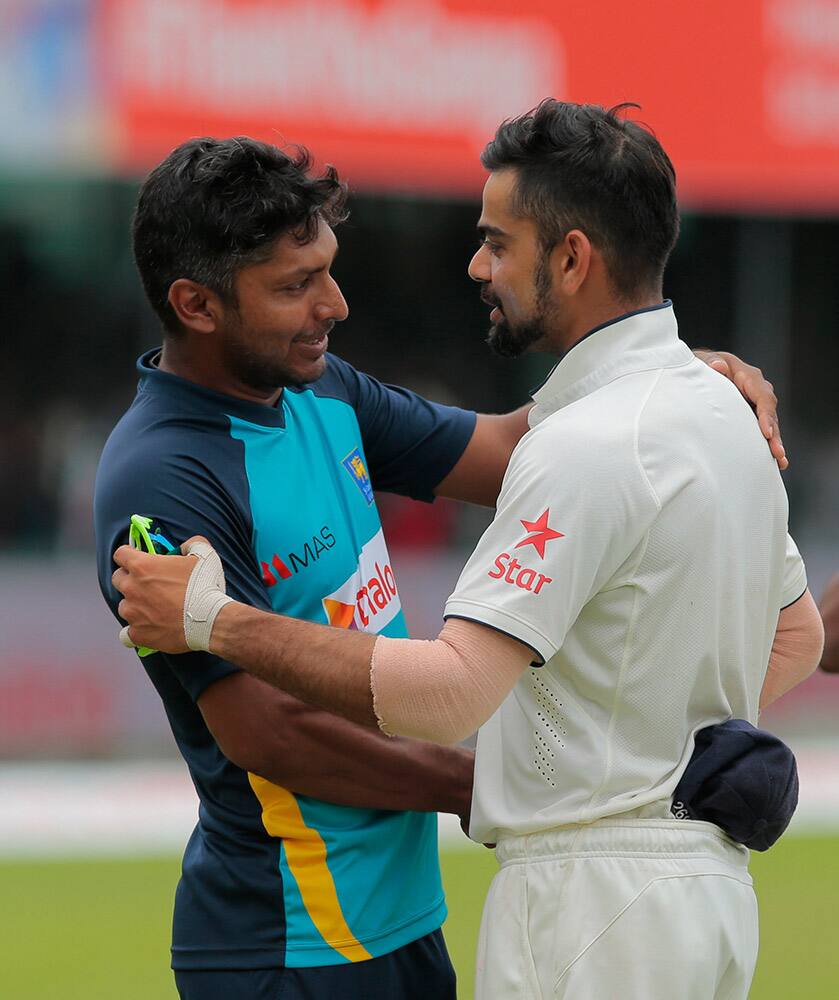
column 285, row 494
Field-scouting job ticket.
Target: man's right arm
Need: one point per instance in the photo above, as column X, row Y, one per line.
column 311, row 752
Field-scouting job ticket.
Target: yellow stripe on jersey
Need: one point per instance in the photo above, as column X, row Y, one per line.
column 305, row 853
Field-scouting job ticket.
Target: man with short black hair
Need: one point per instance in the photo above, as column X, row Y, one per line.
column 313, row 869
column 595, row 587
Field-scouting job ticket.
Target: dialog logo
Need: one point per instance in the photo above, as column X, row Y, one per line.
column 368, row 600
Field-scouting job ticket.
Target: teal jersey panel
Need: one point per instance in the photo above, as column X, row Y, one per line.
column 318, row 539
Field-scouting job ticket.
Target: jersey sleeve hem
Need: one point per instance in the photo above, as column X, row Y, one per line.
column 789, row 604
column 445, row 458
column 503, row 621
column 795, row 589
column 538, row 661
column 196, row 676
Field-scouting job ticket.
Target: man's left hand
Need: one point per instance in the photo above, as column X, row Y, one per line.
column 153, row 589
column 757, row 391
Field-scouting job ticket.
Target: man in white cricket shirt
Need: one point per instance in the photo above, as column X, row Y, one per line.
column 636, row 585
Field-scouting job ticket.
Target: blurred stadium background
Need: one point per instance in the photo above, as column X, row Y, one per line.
column 400, row 95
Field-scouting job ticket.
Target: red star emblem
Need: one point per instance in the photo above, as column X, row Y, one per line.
column 539, row 534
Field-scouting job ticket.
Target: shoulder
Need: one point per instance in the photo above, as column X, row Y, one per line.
column 693, row 408
column 159, row 450
column 587, row 450
column 589, row 432
column 169, row 466
column 339, row 381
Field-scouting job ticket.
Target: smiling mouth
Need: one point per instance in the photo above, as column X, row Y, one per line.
column 314, row 339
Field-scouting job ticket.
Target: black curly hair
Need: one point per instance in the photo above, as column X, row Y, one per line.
column 214, row 206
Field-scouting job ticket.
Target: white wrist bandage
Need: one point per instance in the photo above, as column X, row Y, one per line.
column 205, row 595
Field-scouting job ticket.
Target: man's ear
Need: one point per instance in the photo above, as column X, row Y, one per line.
column 197, row 307
column 571, row 261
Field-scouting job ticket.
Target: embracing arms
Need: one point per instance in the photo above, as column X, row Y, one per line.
column 311, row 752
column 441, row 689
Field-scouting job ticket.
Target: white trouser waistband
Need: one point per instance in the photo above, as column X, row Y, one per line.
column 624, row 836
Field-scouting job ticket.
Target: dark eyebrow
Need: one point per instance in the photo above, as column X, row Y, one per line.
column 305, row 272
column 484, row 231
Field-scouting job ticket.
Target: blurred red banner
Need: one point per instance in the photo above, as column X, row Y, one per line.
column 402, row 95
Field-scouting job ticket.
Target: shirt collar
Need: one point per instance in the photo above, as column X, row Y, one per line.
column 194, row 397
column 637, row 341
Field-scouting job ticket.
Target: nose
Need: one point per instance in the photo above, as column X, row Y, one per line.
column 479, row 266
column 334, row 305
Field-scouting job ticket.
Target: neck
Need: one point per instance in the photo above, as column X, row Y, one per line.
column 203, row 368
column 598, row 315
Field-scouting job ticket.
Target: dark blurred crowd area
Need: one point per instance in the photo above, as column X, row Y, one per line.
column 73, row 320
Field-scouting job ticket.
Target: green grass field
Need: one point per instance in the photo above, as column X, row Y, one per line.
column 99, row 930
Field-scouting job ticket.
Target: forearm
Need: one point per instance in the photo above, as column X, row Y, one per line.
column 796, row 649
column 301, row 658
column 450, row 686
column 336, row 761
column 271, row 734
column 478, row 475
column 439, row 690
column 515, row 423
column 445, row 689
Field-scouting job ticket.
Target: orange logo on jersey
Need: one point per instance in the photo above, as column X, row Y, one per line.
column 340, row 615
column 372, row 597
column 368, row 600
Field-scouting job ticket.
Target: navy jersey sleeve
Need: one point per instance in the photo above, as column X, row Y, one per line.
column 184, row 496
column 411, row 443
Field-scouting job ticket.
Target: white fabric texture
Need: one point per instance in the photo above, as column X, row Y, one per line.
column 639, row 909
column 795, row 576
column 205, row 595
column 442, row 690
column 640, row 545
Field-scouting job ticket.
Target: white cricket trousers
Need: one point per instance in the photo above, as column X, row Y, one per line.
column 621, row 909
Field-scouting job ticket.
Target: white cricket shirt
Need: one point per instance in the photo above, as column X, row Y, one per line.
column 640, row 548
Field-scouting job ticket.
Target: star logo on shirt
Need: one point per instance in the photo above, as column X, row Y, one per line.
column 539, row 534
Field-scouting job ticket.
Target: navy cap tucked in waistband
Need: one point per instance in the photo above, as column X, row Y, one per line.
column 743, row 779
